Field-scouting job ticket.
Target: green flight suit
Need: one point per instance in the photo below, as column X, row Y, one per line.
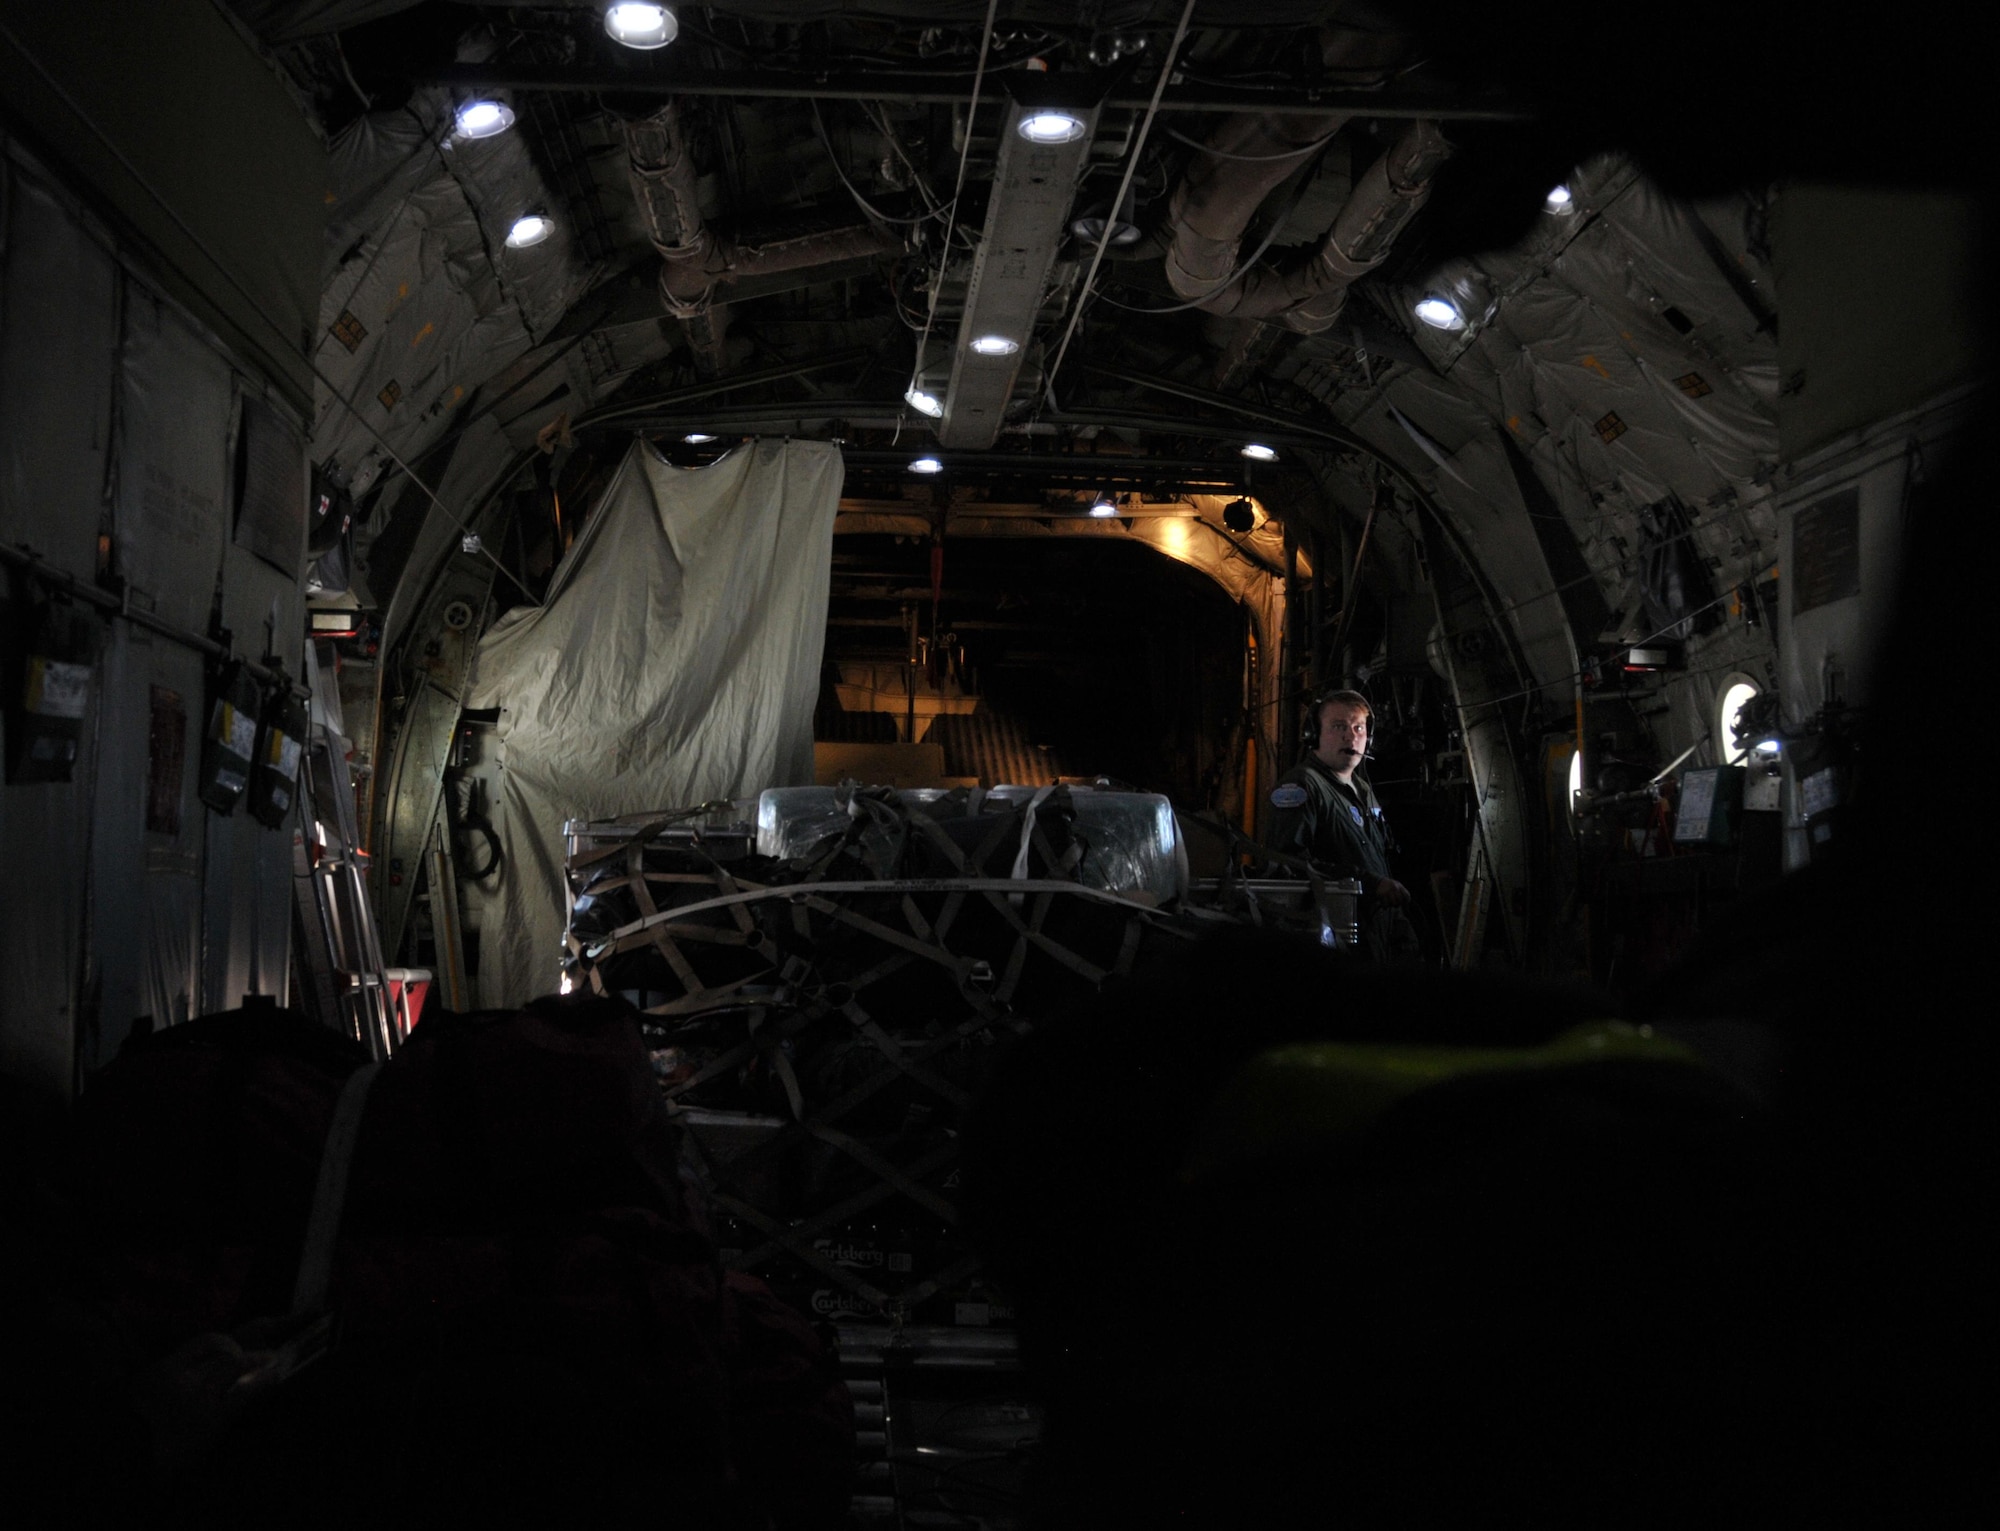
column 1339, row 828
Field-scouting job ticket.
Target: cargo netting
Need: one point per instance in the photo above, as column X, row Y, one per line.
column 824, row 975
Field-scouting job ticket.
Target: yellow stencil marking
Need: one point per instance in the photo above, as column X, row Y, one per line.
column 422, row 335
column 1598, row 367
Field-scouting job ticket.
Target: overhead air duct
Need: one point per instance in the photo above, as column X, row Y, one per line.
column 696, row 261
column 1243, row 162
column 1042, row 151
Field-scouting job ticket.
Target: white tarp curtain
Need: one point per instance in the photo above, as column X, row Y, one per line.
column 676, row 660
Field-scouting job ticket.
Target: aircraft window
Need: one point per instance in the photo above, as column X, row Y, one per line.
column 1734, row 695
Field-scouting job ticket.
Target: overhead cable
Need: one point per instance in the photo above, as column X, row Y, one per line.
column 1228, row 281
column 1118, row 199
column 958, row 191
column 1317, row 143
column 852, row 190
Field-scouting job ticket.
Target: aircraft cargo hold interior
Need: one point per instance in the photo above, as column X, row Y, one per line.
column 990, row 764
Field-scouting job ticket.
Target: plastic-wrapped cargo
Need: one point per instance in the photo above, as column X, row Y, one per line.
column 1132, row 843
column 824, row 995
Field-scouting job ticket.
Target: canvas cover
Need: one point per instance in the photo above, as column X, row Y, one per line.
column 675, row 660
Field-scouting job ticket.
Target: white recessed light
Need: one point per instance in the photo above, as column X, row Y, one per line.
column 923, row 403
column 1256, row 451
column 1105, row 506
column 1559, row 201
column 1050, row 126
column 1440, row 313
column 529, row 230
column 927, row 465
column 638, row 25
column 995, row 345
column 482, row 119
column 697, row 438
column 1090, row 229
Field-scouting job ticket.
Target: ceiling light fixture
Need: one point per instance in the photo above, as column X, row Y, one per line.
column 927, row 465
column 1051, row 125
column 1090, row 228
column 1256, row 451
column 923, row 403
column 1440, row 313
column 483, row 119
column 638, row 25
column 1559, row 201
column 1104, row 506
column 529, row 229
column 697, row 438
column 995, row 345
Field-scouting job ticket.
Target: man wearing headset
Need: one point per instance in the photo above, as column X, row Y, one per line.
column 1324, row 812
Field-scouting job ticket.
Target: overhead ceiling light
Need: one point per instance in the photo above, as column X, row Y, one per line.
column 1559, row 201
column 1440, row 313
column 1256, row 451
column 1104, row 506
column 1090, row 228
column 995, row 345
column 482, row 119
column 923, row 403
column 530, row 229
column 697, row 438
column 1051, row 126
column 638, row 25
column 927, row 465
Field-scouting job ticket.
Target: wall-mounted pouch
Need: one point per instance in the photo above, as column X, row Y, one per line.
column 49, row 671
column 229, row 741
column 274, row 774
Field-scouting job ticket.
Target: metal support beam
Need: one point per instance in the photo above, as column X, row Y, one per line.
column 956, row 89
column 1033, row 187
column 660, row 415
column 620, row 413
column 1134, row 468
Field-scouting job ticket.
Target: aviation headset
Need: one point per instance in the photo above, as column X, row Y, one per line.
column 1310, row 724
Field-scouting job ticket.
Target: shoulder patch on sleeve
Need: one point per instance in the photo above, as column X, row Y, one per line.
column 1288, row 795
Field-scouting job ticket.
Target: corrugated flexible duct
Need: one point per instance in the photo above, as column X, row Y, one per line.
column 1223, row 189
column 694, row 259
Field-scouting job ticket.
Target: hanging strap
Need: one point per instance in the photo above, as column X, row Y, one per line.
column 1020, row 871
column 336, row 1158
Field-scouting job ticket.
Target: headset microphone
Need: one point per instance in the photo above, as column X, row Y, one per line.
column 1311, row 725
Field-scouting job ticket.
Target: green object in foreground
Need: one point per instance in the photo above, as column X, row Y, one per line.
column 1316, row 1092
